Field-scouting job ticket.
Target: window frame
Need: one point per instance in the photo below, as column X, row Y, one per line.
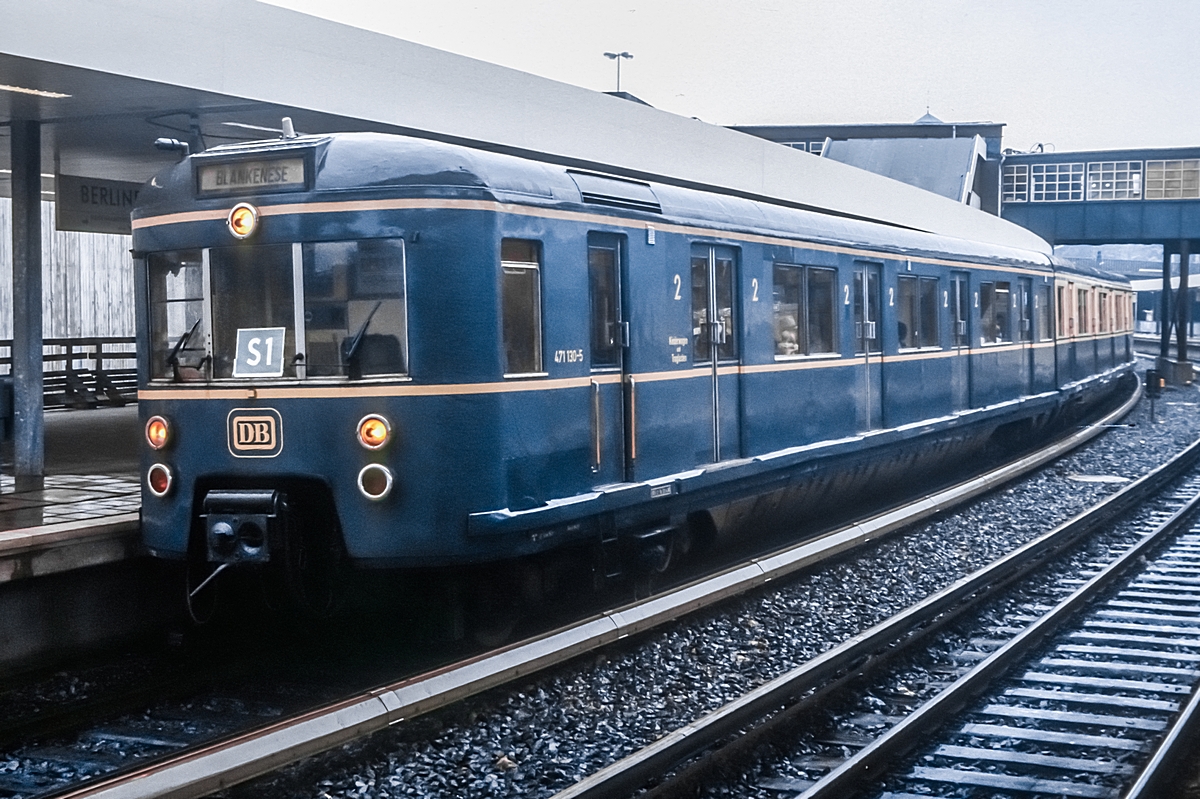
column 1057, row 182
column 988, row 313
column 921, row 285
column 538, row 345
column 805, row 319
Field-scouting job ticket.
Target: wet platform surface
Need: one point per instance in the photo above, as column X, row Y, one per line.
column 87, row 512
column 67, row 498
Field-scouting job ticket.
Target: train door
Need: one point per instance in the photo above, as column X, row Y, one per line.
column 609, row 339
column 715, row 327
column 1024, row 315
column 960, row 371
column 868, row 345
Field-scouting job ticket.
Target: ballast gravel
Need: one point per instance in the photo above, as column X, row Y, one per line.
column 537, row 739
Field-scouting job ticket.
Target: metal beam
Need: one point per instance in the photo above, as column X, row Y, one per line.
column 1182, row 303
column 1165, row 305
column 28, row 429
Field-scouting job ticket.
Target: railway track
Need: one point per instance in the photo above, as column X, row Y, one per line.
column 1046, row 702
column 1091, row 700
column 195, row 770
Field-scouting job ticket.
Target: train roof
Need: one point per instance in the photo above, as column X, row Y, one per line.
column 1072, row 266
column 366, row 164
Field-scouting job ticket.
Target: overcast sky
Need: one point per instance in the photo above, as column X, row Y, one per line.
column 1075, row 74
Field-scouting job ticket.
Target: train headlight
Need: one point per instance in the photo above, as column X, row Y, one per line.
column 158, row 432
column 243, row 220
column 374, row 431
column 375, row 481
column 159, row 480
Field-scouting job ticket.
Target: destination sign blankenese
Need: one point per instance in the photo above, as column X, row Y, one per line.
column 279, row 173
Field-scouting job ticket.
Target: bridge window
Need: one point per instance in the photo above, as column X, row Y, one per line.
column 1056, row 182
column 1114, row 180
column 1015, row 183
column 1173, row 180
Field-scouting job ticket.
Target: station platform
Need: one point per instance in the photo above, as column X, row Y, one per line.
column 87, row 513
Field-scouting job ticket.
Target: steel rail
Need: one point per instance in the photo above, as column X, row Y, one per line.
column 213, row 767
column 779, row 695
column 906, row 734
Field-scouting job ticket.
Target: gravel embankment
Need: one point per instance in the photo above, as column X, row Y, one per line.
column 542, row 737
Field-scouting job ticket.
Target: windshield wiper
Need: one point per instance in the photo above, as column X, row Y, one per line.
column 173, row 358
column 350, row 350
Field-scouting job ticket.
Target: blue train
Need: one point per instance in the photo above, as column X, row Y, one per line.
column 382, row 351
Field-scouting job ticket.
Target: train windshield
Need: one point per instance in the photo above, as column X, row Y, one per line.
column 179, row 332
column 324, row 309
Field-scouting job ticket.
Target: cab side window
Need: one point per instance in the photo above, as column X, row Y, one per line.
column 521, row 306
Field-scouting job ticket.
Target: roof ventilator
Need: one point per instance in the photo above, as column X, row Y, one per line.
column 615, row 193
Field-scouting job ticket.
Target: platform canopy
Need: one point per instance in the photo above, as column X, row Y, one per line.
column 217, row 70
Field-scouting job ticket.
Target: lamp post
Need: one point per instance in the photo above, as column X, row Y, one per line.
column 617, row 57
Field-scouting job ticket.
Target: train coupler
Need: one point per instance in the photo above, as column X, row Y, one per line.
column 241, row 525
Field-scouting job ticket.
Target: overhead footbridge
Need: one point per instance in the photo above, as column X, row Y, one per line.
column 1146, row 196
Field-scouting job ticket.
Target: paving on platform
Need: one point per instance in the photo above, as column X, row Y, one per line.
column 67, row 498
column 87, row 511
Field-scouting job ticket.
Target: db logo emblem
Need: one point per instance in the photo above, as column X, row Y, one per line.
column 255, row 433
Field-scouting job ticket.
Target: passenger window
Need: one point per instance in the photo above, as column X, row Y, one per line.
column 355, row 308
column 822, row 293
column 1082, row 311
column 1061, row 307
column 917, row 311
column 1045, row 332
column 604, row 288
column 929, row 328
column 804, row 308
column 789, row 332
column 521, row 306
column 994, row 317
column 907, row 311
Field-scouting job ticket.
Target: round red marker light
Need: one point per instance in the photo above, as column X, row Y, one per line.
column 159, row 480
column 375, row 481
